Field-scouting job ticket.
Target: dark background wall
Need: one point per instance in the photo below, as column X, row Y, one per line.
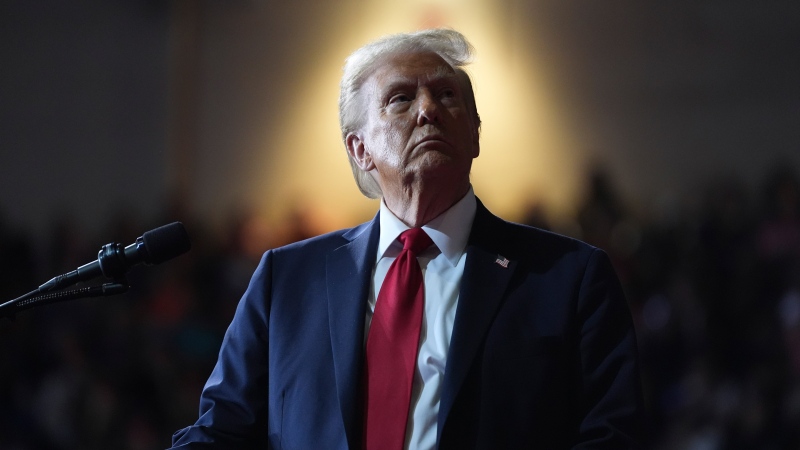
column 83, row 111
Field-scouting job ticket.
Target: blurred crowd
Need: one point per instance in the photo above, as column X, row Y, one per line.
column 714, row 287
column 713, row 283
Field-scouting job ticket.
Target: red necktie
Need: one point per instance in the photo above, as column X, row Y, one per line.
column 392, row 346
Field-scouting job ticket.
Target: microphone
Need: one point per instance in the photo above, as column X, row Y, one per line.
column 114, row 260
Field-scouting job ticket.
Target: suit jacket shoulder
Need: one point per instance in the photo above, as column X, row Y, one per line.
column 288, row 369
column 543, row 349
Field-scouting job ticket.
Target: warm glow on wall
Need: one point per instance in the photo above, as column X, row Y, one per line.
column 525, row 152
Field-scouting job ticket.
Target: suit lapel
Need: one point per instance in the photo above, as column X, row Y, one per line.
column 348, row 273
column 486, row 276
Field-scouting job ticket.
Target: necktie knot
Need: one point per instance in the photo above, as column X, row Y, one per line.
column 415, row 240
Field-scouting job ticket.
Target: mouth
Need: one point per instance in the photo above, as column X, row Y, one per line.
column 432, row 139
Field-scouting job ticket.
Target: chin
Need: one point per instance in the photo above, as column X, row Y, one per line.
column 433, row 161
column 439, row 165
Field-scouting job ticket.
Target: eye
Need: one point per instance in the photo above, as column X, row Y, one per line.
column 399, row 98
column 448, row 93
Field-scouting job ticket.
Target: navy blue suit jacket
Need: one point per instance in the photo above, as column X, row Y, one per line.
column 542, row 355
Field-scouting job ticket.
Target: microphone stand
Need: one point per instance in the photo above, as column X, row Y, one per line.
column 38, row 298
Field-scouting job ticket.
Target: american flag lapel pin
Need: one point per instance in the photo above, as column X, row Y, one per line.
column 502, row 261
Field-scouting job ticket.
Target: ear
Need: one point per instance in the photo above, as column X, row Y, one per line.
column 358, row 152
column 476, row 141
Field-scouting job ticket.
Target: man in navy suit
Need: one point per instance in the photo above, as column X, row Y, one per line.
column 526, row 340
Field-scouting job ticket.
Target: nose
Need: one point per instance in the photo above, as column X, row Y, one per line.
column 428, row 111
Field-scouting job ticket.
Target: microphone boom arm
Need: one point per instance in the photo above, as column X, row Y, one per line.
column 36, row 298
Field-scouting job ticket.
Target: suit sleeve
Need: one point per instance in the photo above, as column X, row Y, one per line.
column 611, row 405
column 234, row 401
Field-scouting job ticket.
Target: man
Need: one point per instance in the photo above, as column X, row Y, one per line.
column 523, row 338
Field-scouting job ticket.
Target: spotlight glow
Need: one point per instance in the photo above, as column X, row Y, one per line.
column 525, row 151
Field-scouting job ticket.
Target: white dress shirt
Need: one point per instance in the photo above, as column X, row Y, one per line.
column 442, row 267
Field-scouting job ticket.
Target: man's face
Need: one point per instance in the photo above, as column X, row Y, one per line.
column 417, row 125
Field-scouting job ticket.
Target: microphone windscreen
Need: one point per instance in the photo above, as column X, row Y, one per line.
column 166, row 242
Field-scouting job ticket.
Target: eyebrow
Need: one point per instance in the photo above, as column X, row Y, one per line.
column 444, row 71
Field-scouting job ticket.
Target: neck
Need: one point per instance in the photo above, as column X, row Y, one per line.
column 416, row 207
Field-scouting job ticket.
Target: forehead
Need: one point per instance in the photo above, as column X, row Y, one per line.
column 410, row 68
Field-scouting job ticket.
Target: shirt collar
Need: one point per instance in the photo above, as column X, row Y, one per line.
column 449, row 230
